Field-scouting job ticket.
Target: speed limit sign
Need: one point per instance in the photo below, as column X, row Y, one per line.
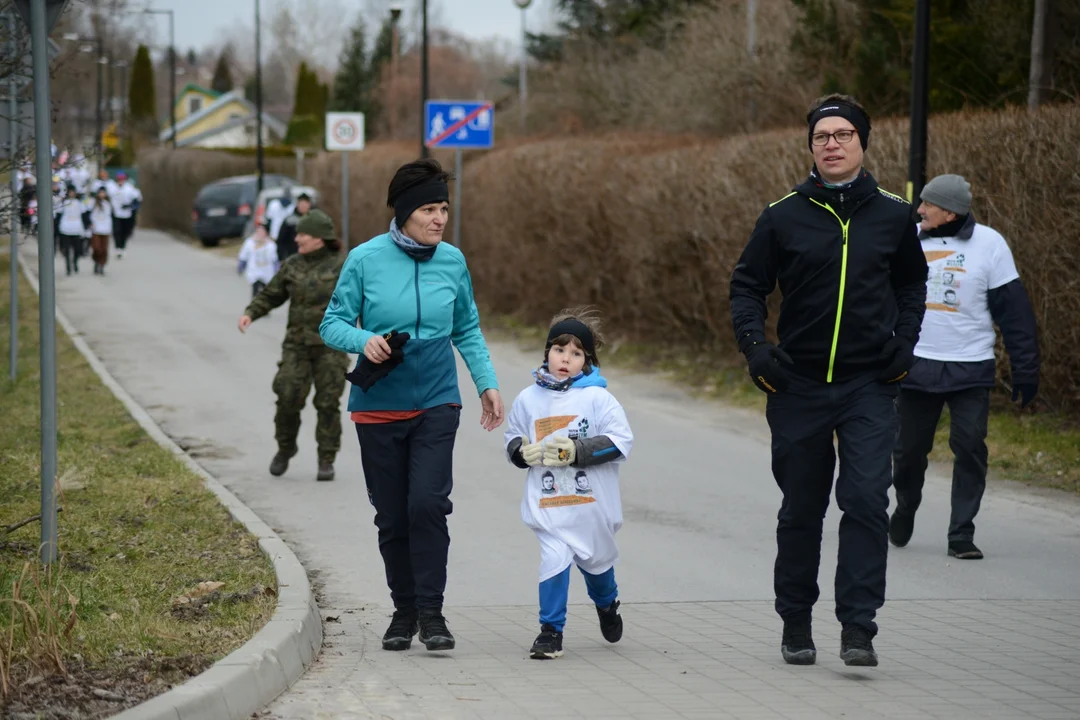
column 344, row 131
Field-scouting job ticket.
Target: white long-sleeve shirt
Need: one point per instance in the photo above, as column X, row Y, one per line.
column 71, row 211
column 122, row 198
column 101, row 218
column 260, row 262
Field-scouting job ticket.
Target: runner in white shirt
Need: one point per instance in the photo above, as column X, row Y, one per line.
column 101, row 228
column 572, row 435
column 258, row 260
column 71, row 221
column 125, row 199
column 972, row 285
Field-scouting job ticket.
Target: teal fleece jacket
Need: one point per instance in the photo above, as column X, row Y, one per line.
column 381, row 289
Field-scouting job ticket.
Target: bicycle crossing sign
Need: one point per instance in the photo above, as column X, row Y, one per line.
column 461, row 125
column 344, row 131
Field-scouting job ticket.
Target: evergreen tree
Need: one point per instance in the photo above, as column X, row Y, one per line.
column 222, row 81
column 141, row 99
column 353, row 81
column 309, row 109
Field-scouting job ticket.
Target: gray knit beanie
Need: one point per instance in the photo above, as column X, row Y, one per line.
column 949, row 192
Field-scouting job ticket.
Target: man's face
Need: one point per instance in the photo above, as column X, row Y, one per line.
column 933, row 216
column 303, row 206
column 837, row 162
column 427, row 223
column 308, row 243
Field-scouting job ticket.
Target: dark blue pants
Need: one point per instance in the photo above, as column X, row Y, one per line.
column 862, row 415
column 408, row 469
column 554, row 592
column 969, row 411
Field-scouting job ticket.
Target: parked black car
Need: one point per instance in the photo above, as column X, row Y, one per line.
column 223, row 208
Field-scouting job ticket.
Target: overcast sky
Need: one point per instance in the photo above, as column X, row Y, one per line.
column 201, row 22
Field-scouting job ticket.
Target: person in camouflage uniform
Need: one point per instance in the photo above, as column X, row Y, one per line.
column 307, row 280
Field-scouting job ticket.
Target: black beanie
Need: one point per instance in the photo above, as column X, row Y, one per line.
column 839, row 108
column 427, row 192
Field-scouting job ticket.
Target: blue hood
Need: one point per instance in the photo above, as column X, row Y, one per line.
column 591, row 379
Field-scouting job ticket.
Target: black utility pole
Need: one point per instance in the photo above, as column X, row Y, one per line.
column 424, row 85
column 919, row 102
column 258, row 101
column 172, row 70
column 100, row 126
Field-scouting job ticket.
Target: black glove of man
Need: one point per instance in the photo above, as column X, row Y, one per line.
column 900, row 356
column 1026, row 390
column 767, row 363
column 368, row 373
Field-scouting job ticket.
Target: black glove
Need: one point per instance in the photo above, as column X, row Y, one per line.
column 767, row 367
column 368, row 373
column 1026, row 390
column 899, row 354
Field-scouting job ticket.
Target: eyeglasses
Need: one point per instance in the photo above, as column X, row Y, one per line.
column 842, row 136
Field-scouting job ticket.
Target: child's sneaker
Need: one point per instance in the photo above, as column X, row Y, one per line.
column 610, row 622
column 548, row 644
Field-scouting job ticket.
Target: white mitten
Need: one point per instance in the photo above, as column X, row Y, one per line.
column 559, row 451
column 531, row 453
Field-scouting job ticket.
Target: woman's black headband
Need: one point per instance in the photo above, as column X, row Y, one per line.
column 578, row 329
column 427, row 192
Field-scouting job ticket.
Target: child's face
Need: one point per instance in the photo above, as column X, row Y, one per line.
column 565, row 361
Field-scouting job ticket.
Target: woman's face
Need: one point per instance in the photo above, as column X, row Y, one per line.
column 308, row 243
column 427, row 223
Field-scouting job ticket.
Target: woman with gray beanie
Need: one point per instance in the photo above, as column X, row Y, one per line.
column 403, row 300
column 972, row 285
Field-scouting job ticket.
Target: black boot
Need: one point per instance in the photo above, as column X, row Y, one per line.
column 400, row 633
column 901, row 526
column 326, row 471
column 857, row 647
column 280, row 463
column 433, row 631
column 797, row 645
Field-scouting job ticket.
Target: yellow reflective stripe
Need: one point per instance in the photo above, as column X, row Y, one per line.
column 843, row 283
column 783, row 199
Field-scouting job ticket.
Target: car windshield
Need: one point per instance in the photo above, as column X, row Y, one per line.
column 224, row 194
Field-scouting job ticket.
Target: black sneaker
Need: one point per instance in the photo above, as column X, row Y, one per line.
column 433, row 631
column 280, row 463
column 964, row 550
column 400, row 633
column 856, row 647
column 901, row 525
column 797, row 645
column 547, row 645
column 610, row 623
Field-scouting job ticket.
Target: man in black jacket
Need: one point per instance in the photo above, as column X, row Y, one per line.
column 972, row 284
column 286, row 239
column 853, row 277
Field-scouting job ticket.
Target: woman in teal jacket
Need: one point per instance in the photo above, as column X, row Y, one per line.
column 409, row 281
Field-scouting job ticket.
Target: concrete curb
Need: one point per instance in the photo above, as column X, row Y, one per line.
column 253, row 675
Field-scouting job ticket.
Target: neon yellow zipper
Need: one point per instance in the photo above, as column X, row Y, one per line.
column 843, row 282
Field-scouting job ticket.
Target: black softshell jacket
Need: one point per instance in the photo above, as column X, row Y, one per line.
column 851, row 270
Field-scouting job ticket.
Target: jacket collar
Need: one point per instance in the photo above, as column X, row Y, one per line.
column 962, row 228
column 847, row 196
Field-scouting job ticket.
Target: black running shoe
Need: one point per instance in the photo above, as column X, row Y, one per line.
column 856, row 647
column 901, row 526
column 433, row 631
column 964, row 550
column 797, row 645
column 610, row 622
column 547, row 645
column 400, row 633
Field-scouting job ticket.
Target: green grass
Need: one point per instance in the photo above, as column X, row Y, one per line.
column 1040, row 449
column 138, row 529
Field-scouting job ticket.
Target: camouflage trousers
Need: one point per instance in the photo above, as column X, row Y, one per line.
column 299, row 368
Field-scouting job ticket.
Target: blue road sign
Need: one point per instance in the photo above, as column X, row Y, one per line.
column 460, row 125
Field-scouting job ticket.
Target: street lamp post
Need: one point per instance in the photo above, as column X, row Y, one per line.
column 424, row 83
column 522, row 75
column 99, row 125
column 919, row 102
column 172, row 70
column 258, row 100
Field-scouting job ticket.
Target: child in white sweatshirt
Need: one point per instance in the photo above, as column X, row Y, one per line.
column 572, row 435
column 258, row 259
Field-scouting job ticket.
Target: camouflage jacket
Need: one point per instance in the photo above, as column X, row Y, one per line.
column 307, row 282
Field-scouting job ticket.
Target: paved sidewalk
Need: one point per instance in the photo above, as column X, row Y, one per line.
column 994, row 638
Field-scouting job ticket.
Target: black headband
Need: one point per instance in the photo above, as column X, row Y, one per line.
column 573, row 326
column 834, row 108
column 427, row 192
